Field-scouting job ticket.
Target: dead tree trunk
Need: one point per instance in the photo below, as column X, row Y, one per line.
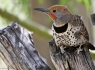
column 17, row 50
column 70, row 60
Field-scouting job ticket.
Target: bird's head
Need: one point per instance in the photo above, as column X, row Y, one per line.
column 58, row 13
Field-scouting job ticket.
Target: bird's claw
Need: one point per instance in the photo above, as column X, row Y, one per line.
column 79, row 49
column 62, row 49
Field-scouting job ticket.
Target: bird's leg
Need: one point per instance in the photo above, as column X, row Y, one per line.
column 79, row 49
column 62, row 48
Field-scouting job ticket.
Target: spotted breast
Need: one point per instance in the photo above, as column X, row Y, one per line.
column 71, row 34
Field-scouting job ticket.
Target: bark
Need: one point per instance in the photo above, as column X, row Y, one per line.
column 70, row 60
column 17, row 49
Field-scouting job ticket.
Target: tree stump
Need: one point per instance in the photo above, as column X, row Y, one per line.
column 17, row 49
column 70, row 60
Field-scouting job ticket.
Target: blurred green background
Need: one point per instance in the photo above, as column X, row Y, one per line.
column 21, row 11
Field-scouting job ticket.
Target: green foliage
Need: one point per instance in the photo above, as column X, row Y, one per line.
column 64, row 2
column 24, row 4
column 92, row 55
column 16, row 6
column 41, row 1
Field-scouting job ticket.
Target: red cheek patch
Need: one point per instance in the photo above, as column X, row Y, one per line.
column 52, row 16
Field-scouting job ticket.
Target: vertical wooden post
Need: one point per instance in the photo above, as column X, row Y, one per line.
column 18, row 51
column 70, row 60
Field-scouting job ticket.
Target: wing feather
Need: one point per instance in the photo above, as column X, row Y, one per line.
column 77, row 21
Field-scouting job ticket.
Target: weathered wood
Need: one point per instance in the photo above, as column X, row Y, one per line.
column 17, row 49
column 70, row 60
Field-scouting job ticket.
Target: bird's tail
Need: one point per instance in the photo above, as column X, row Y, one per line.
column 90, row 46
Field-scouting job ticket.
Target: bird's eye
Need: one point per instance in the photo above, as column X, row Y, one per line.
column 54, row 11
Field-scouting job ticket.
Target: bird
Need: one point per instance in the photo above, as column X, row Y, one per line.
column 68, row 29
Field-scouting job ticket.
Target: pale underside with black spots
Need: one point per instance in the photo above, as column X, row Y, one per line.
column 73, row 33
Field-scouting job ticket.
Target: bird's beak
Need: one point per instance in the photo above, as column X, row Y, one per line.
column 42, row 9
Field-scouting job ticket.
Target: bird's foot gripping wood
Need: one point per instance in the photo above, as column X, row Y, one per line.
column 56, row 49
column 64, row 49
column 70, row 60
column 53, row 47
column 79, row 49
